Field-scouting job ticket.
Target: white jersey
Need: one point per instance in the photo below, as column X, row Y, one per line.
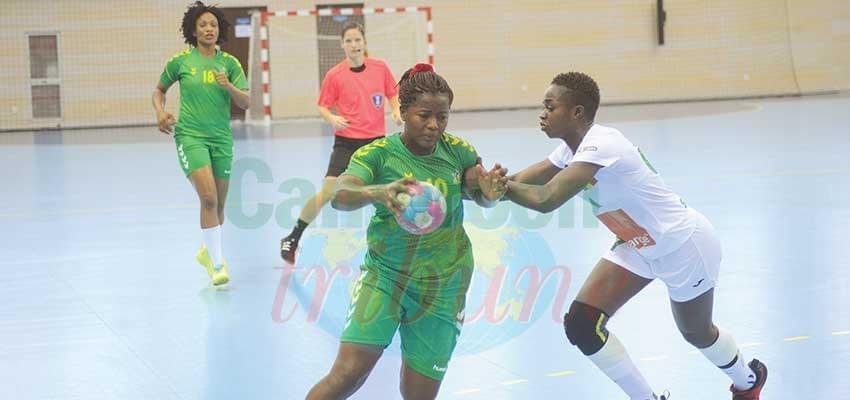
column 628, row 195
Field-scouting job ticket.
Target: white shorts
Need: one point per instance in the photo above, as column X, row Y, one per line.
column 688, row 271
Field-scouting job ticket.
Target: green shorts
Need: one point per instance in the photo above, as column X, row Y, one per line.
column 194, row 153
column 428, row 319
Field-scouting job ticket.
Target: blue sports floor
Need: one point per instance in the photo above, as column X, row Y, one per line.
column 100, row 296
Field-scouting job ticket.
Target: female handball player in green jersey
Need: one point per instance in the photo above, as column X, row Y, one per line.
column 413, row 284
column 209, row 80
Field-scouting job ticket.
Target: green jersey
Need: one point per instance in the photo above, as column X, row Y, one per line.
column 204, row 104
column 429, row 257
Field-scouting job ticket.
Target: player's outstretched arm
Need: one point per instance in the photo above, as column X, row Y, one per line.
column 486, row 188
column 351, row 193
column 536, row 174
column 547, row 198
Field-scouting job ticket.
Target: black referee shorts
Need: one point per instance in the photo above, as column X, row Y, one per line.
column 342, row 151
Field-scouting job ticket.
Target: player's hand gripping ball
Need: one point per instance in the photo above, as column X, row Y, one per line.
column 423, row 208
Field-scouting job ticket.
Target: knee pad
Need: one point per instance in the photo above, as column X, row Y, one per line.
column 585, row 327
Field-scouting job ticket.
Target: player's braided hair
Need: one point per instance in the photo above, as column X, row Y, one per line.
column 419, row 80
column 581, row 89
column 191, row 17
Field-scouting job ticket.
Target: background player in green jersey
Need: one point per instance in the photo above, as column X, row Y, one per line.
column 209, row 80
column 412, row 284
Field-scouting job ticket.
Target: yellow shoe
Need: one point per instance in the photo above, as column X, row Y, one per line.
column 206, row 261
column 221, row 277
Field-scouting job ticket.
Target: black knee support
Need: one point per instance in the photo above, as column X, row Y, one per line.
column 585, row 327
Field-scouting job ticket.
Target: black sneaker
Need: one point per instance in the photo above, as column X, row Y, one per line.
column 753, row 392
column 288, row 245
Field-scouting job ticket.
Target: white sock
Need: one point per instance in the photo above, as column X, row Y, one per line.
column 212, row 239
column 613, row 360
column 724, row 353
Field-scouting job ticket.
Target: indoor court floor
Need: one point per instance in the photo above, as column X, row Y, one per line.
column 101, row 298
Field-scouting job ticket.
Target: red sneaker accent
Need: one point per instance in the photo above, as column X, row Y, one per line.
column 754, row 392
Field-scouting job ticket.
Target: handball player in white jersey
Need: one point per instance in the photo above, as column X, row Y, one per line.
column 658, row 236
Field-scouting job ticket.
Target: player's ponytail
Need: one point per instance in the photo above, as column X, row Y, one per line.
column 419, row 80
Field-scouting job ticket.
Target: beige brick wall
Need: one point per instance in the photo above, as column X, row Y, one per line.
column 494, row 53
column 812, row 44
column 841, row 42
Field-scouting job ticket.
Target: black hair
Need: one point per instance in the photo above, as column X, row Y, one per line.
column 190, row 18
column 581, row 89
column 417, row 81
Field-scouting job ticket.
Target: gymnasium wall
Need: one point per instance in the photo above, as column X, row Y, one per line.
column 495, row 54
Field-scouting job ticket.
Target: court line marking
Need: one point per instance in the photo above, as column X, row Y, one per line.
column 655, row 358
column 742, row 346
column 89, row 211
column 13, row 213
column 732, row 175
column 72, row 259
column 561, row 373
column 20, row 213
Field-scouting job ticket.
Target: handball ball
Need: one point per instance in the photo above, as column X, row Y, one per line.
column 423, row 208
